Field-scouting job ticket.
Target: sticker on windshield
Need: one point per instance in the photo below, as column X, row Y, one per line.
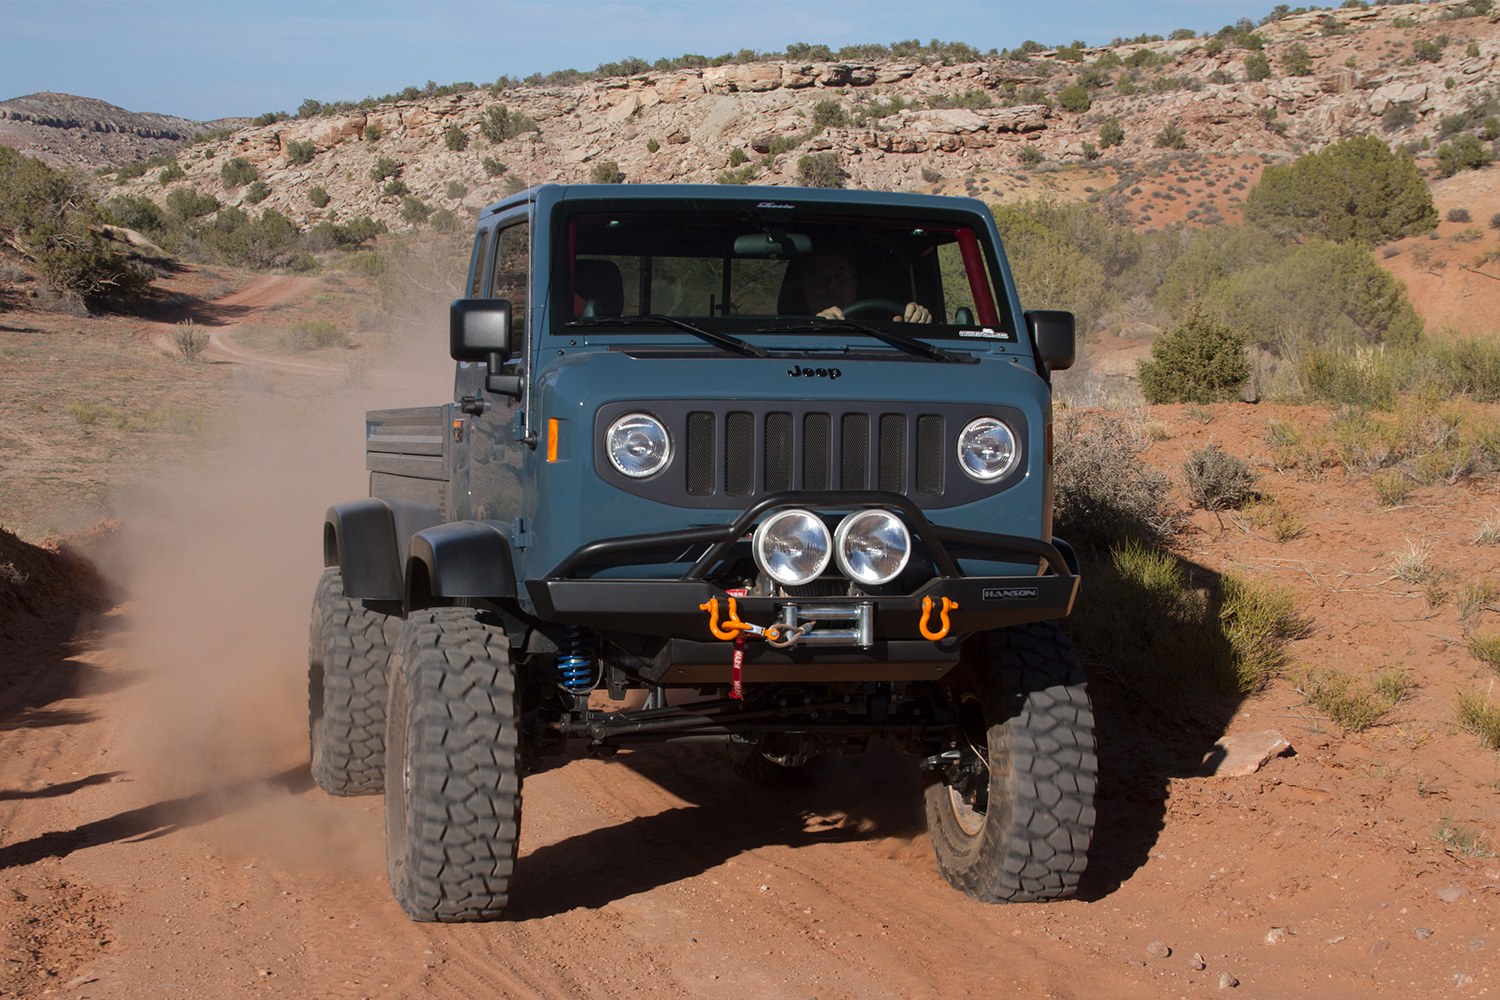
column 987, row 334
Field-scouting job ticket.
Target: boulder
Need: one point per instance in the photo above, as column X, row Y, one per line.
column 862, row 76
column 626, row 107
column 833, row 75
column 675, row 88
column 747, row 78
column 797, row 76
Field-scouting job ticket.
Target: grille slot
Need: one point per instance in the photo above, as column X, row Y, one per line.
column 929, row 454
column 739, row 454
column 700, row 454
column 778, row 452
column 892, row 469
column 815, row 442
column 854, row 453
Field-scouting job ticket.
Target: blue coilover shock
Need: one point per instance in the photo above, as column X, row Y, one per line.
column 575, row 664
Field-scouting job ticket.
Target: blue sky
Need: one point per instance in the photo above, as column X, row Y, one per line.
column 210, row 60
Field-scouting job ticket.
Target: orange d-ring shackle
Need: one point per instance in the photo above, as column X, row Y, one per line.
column 943, row 610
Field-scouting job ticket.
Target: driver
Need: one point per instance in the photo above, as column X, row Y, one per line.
column 830, row 283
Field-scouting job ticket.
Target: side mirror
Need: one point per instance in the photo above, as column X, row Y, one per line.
column 478, row 329
column 1052, row 332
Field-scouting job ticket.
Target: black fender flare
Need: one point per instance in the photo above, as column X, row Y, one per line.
column 366, row 539
column 458, row 559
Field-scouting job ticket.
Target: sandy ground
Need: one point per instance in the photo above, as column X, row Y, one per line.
column 160, row 835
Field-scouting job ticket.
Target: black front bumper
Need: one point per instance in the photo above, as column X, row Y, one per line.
column 670, row 608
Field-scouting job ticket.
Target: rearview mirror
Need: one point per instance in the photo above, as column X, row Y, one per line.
column 479, row 330
column 1052, row 332
column 776, row 243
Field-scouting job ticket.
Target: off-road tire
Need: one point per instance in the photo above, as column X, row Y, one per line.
column 347, row 656
column 1032, row 840
column 453, row 805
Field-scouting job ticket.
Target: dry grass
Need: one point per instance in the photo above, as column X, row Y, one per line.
column 1489, row 532
column 190, row 339
column 1392, row 489
column 1410, row 564
column 1463, row 839
column 1474, row 598
column 1285, row 524
column 1476, row 714
column 1486, row 647
column 1354, row 705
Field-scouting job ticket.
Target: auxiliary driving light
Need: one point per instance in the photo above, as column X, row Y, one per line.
column 986, row 449
column 792, row 547
column 638, row 445
column 872, row 547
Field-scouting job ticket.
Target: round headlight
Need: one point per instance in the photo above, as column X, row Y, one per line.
column 792, row 547
column 638, row 445
column 986, row 449
column 872, row 547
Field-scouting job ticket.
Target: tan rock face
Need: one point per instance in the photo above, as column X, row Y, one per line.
column 747, row 78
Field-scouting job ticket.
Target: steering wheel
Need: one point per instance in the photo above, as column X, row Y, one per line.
column 874, row 309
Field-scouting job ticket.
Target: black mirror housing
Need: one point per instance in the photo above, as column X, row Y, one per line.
column 1052, row 330
column 479, row 329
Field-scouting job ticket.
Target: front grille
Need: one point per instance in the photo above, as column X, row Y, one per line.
column 730, row 453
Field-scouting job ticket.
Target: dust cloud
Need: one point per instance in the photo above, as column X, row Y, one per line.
column 219, row 558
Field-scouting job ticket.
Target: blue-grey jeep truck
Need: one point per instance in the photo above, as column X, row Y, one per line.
column 769, row 467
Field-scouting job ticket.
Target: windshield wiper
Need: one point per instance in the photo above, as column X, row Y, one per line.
column 713, row 337
column 901, row 340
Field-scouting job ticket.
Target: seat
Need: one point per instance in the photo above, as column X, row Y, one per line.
column 598, row 289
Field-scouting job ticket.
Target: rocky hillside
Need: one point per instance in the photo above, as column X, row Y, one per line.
column 1400, row 71
column 64, row 130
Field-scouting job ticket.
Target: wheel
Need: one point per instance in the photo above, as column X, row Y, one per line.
column 1012, row 821
column 874, row 309
column 347, row 656
column 453, row 808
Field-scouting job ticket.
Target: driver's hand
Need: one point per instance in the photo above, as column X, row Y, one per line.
column 915, row 313
column 832, row 312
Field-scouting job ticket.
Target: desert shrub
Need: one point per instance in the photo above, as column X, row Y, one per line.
column 257, row 192
column 514, row 184
column 1491, row 128
column 1090, row 151
column 190, row 339
column 414, row 210
column 1477, row 715
column 269, row 118
column 300, row 153
column 1141, row 59
column 385, row 167
column 500, row 123
column 652, row 145
column 607, row 172
column 1257, row 67
column 1459, row 215
column 445, row 220
column 493, row 167
column 1354, row 704
column 185, row 203
column 1357, row 189
column 394, row 188
column 1427, row 50
column 1296, row 60
column 372, row 132
column 1397, row 117
column 737, row 156
column 171, row 172
column 829, row 113
column 1103, row 492
column 1030, row 155
column 744, row 175
column 455, row 138
column 456, row 189
column 238, row 171
column 1199, row 361
column 137, row 212
column 1110, row 133
column 1170, row 137
column 312, row 335
column 345, row 236
column 819, row 170
column 318, row 197
column 1214, row 46
column 1464, row 153
column 930, row 175
column 1216, row 480
column 270, row 242
column 1075, row 98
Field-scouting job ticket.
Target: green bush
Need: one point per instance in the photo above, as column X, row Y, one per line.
column 819, row 170
column 1111, row 133
column 1397, row 117
column 350, row 235
column 1103, row 491
column 385, row 167
column 652, row 145
column 1201, row 360
column 445, row 220
column 1427, row 50
column 1075, row 98
column 185, row 203
column 134, row 211
column 455, row 138
column 1464, row 153
column 1459, row 215
column 500, row 123
column 414, row 211
column 1216, row 480
column 300, row 153
column 1141, row 59
column 1357, row 189
column 1182, row 35
column 318, row 196
column 607, row 172
column 312, row 335
column 271, row 242
column 930, row 175
column 493, row 167
column 372, row 132
column 1170, row 137
column 737, row 156
column 238, row 171
column 1296, row 60
column 395, row 188
column 257, row 192
column 457, row 189
column 171, row 172
column 1257, row 67
column 1213, row 47
column 1030, row 155
column 269, row 118
column 829, row 113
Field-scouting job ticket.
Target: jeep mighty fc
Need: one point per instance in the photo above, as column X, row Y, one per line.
column 770, row 467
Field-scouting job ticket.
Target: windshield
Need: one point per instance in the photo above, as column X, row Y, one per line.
column 723, row 270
